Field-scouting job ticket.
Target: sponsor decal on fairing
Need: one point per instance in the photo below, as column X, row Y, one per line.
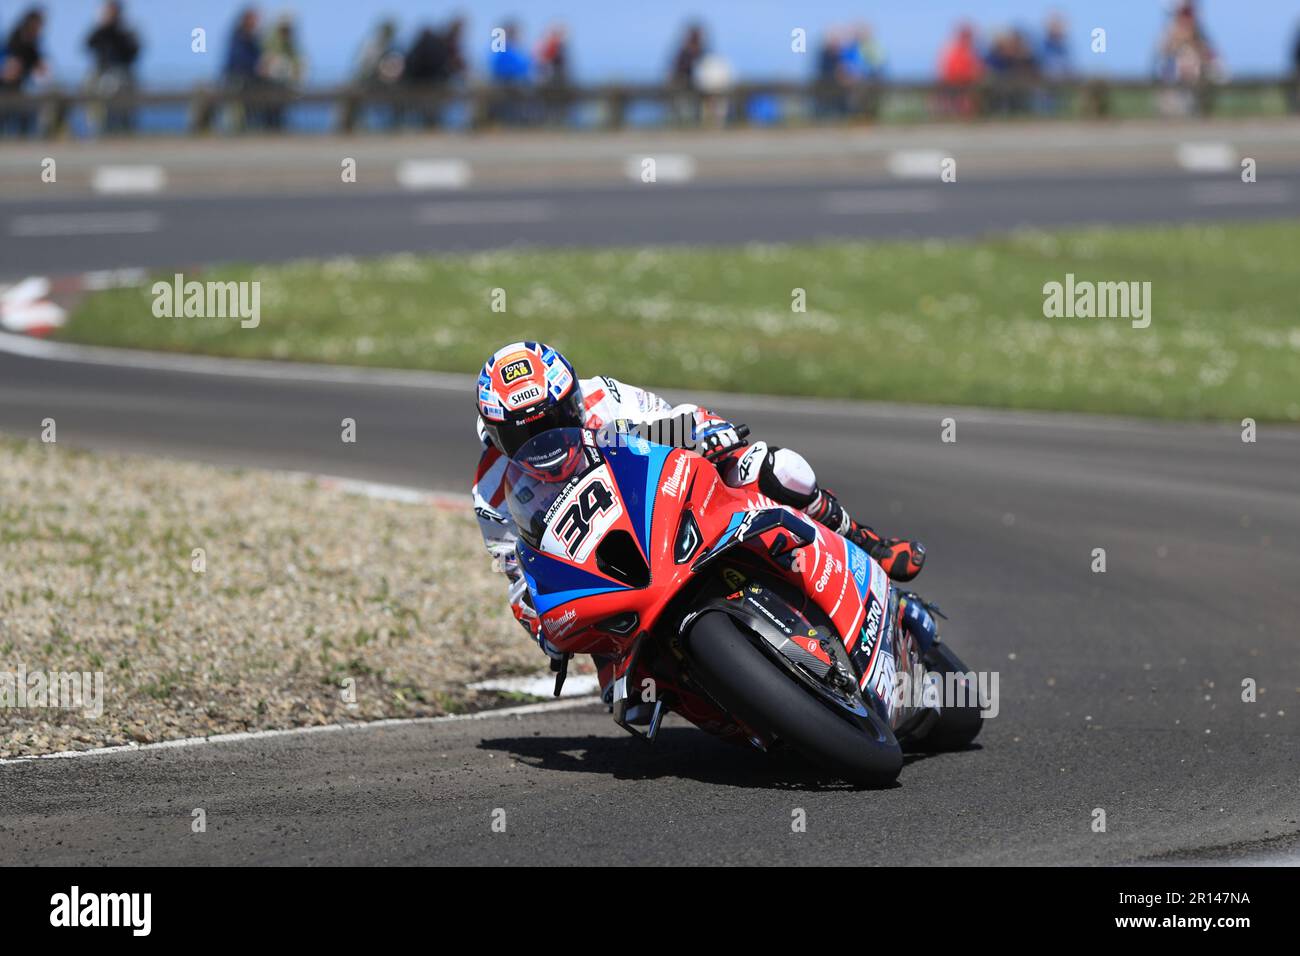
column 582, row 516
column 673, row 484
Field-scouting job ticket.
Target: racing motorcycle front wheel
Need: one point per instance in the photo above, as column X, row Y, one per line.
column 755, row 690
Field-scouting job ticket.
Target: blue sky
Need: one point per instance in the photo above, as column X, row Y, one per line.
column 631, row 39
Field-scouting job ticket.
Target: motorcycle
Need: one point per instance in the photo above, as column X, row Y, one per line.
column 743, row 616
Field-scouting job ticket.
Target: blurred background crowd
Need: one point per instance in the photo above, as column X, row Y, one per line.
column 420, row 73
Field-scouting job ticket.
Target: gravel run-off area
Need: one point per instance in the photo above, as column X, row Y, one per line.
column 306, row 605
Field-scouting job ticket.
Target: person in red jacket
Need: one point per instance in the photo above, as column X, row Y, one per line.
column 960, row 66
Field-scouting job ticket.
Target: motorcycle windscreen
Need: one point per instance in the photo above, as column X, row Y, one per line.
column 541, row 473
column 567, row 503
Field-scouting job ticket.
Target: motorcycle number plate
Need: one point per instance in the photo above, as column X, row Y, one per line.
column 581, row 516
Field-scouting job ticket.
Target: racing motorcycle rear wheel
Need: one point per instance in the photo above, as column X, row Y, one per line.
column 755, row 690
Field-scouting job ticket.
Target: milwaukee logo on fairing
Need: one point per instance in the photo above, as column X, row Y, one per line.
column 674, row 482
column 558, row 625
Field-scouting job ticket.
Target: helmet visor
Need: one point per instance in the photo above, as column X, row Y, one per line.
column 510, row 436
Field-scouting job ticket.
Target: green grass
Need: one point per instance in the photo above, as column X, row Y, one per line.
column 934, row 321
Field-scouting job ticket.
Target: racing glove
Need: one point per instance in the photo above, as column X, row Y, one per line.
column 521, row 603
column 716, row 438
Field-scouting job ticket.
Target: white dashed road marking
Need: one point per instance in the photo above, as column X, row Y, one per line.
column 1238, row 193
column 916, row 163
column 471, row 213
column 53, row 224
column 543, row 685
column 862, row 201
column 113, row 180
column 422, row 174
column 1206, row 157
column 668, row 168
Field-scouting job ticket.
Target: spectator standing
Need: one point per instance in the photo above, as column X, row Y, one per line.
column 689, row 53
column 863, row 56
column 379, row 66
column 553, row 57
column 1295, row 74
column 241, row 72
column 1024, row 73
column 510, row 69
column 552, row 60
column 23, row 59
column 434, row 62
column 1054, row 64
column 281, row 67
column 380, row 60
column 510, row 65
column 832, row 99
column 1184, row 58
column 1054, row 52
column 960, row 68
column 115, row 49
column 862, row 62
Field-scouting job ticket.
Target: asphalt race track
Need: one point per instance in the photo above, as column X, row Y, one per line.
column 54, row 236
column 1119, row 691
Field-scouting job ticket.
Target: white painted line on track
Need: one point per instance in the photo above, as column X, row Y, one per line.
column 47, row 350
column 58, row 224
column 423, row 174
column 859, row 202
column 1239, row 194
column 382, row 491
column 231, row 367
column 916, row 163
column 543, row 685
column 118, row 180
column 524, row 710
column 668, row 168
column 1206, row 157
column 485, row 212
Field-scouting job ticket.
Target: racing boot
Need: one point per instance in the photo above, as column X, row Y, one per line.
column 901, row 559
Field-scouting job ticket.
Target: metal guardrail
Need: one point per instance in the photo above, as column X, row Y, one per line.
column 49, row 113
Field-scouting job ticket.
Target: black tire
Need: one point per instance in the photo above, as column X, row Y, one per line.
column 957, row 726
column 743, row 680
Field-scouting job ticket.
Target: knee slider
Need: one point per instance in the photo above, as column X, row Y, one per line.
column 787, row 477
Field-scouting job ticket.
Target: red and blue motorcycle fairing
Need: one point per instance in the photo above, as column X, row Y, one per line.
column 625, row 547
